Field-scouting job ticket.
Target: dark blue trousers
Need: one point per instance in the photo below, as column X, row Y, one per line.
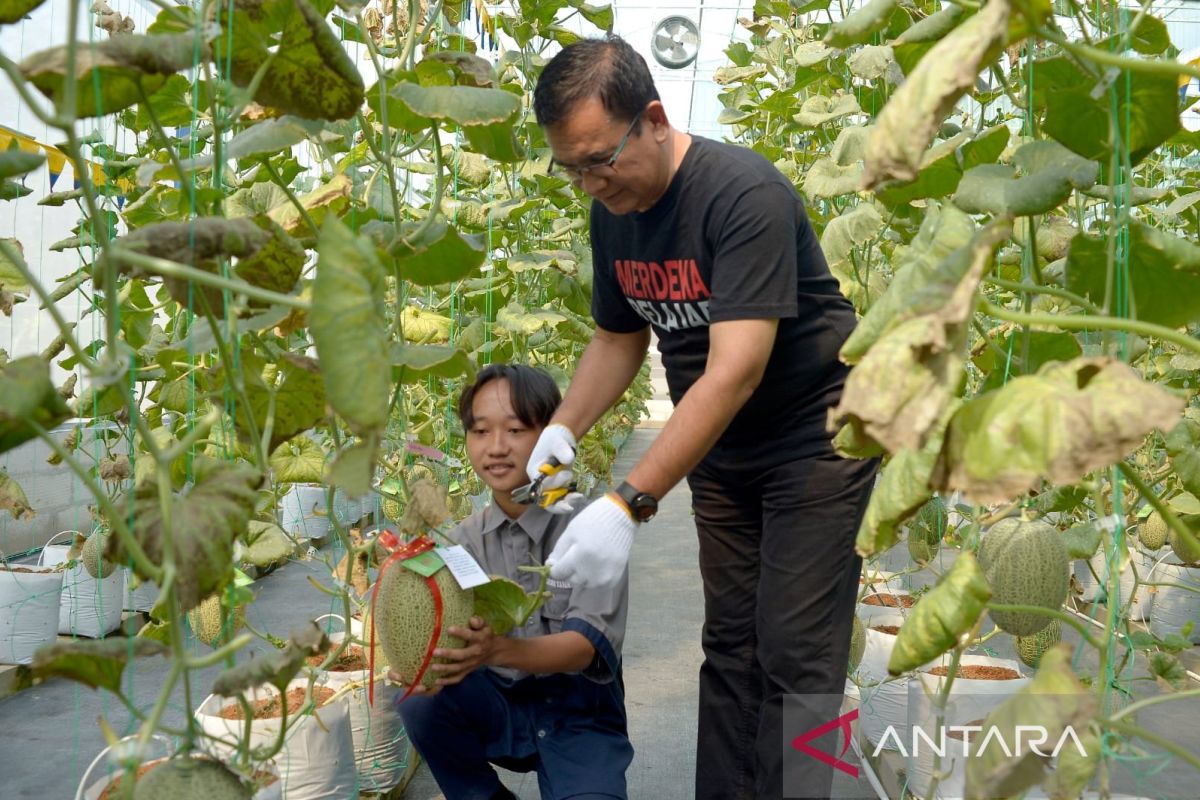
column 565, row 727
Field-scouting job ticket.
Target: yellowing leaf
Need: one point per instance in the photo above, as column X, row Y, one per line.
column 950, row 609
column 1058, row 425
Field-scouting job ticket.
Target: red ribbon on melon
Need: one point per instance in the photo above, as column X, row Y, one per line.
column 400, row 553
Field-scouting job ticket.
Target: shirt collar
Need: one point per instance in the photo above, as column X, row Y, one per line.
column 534, row 522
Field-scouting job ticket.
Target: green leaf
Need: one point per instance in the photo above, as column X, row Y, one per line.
column 440, row 255
column 298, row 460
column 13, row 499
column 267, row 545
column 297, row 386
column 1058, row 425
column 747, row 74
column 914, row 114
column 15, row 162
column 353, row 469
column 277, row 668
column 27, row 394
column 1183, row 446
column 172, row 104
column 1147, row 112
column 944, row 232
column 826, row 179
column 861, row 24
column 852, row 228
column 462, row 105
column 202, row 524
column 310, row 75
column 349, row 329
column 264, row 138
column 949, row 610
column 938, row 176
column 413, row 363
column 1048, row 174
column 987, row 146
column 1053, row 700
column 11, row 278
column 1044, row 347
column 1163, row 275
column 504, row 605
column 108, row 73
column 819, row 109
column 1150, row 38
column 1082, row 540
column 96, row 664
column 15, row 10
column 600, row 16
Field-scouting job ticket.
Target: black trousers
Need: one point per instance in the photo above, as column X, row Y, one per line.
column 780, row 581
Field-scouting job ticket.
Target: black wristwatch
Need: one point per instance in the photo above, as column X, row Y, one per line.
column 642, row 506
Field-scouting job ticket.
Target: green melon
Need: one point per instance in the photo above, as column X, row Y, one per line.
column 1152, row 533
column 208, row 621
column 404, row 617
column 1026, row 563
column 185, row 778
column 1031, row 648
column 92, row 555
column 1185, row 553
column 858, row 644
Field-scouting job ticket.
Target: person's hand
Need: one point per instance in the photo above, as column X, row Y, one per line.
column 478, row 650
column 594, row 549
column 558, row 441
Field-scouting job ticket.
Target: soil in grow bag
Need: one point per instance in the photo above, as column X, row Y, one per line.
column 113, row 790
column 352, row 659
column 25, row 570
column 889, row 600
column 978, row 672
column 891, row 630
column 271, row 708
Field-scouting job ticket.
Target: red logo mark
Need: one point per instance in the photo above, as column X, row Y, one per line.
column 801, row 743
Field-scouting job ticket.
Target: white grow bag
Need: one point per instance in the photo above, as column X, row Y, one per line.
column 1143, row 601
column 141, row 598
column 107, row 766
column 304, row 512
column 381, row 747
column 29, row 603
column 317, row 760
column 1176, row 606
column 969, row 700
column 90, row 607
column 881, row 702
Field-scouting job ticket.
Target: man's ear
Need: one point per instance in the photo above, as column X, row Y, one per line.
column 656, row 115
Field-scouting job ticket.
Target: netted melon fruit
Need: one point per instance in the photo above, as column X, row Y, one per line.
column 1026, row 563
column 1185, row 552
column 208, row 621
column 858, row 644
column 1152, row 533
column 1031, row 648
column 404, row 618
column 184, row 778
column 92, row 555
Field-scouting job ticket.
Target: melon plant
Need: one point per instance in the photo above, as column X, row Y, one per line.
column 404, row 617
column 92, row 555
column 1031, row 648
column 186, row 778
column 925, row 535
column 1025, row 563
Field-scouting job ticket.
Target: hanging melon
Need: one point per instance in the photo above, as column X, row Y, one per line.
column 1025, row 563
column 1031, row 648
column 1152, row 533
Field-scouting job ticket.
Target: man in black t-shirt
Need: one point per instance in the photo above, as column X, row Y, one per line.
column 710, row 245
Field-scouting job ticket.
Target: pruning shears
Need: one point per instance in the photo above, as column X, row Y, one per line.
column 532, row 493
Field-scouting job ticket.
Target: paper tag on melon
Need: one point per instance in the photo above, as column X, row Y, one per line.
column 425, row 564
column 466, row 570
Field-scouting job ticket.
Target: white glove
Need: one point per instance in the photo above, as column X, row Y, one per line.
column 594, row 549
column 558, row 441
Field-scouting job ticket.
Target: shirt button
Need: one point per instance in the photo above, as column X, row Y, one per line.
column 541, row 734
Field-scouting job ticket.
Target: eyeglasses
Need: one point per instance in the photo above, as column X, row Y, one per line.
column 601, row 169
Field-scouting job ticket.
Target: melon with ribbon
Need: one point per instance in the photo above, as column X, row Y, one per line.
column 413, row 613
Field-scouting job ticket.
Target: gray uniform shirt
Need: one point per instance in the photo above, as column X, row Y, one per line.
column 501, row 544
